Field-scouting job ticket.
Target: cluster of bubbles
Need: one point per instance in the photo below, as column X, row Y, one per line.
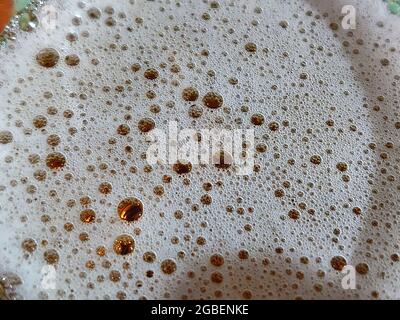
column 78, row 194
column 25, row 18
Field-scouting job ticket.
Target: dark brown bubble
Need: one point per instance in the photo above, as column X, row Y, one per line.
column 217, row 260
column 316, row 159
column 135, row 67
column 115, row 276
column 124, row 244
column 279, row 193
column 55, row 160
column 51, row 256
column 206, row 199
column 146, row 125
column 130, row 209
column 341, row 166
column 217, row 277
column 47, row 57
column 149, row 257
column 168, row 266
column 123, row 129
column 213, row 100
column 40, row 175
column 182, row 167
column 94, row 13
column 101, row 251
column 257, row 119
column 72, row 60
column 273, row 126
column 334, row 26
column 243, row 254
column 39, row 122
column 294, row 214
column 251, row 47
column 338, row 263
column 362, row 268
column 190, row 94
column 151, row 74
column 195, row 111
column 53, row 140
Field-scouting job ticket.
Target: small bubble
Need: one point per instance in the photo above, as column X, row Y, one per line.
column 72, row 60
column 190, row 94
column 124, row 244
column 55, row 160
column 315, row 159
column 217, row 260
column 146, row 125
column 51, row 256
column 168, row 266
column 6, row 137
column 29, row 245
column 213, row 100
column 48, row 57
column 151, row 74
column 338, row 263
column 130, row 209
column 87, row 215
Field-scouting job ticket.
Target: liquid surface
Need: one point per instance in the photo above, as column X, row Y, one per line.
column 84, row 215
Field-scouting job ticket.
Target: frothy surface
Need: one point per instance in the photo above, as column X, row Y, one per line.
column 323, row 102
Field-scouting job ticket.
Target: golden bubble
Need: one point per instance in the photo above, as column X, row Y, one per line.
column 55, row 160
column 124, row 244
column 87, row 215
column 105, row 188
column 130, row 209
column 168, row 266
column 51, row 256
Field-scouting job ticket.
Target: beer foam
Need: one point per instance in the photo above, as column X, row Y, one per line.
column 323, row 193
